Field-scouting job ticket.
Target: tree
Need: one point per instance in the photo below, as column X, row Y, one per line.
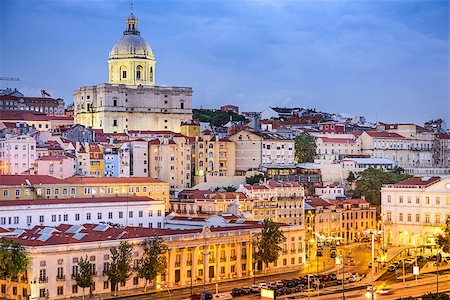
column 371, row 180
column 255, row 179
column 305, row 148
column 268, row 242
column 13, row 260
column 436, row 296
column 84, row 277
column 153, row 261
column 120, row 267
column 351, row 177
column 444, row 238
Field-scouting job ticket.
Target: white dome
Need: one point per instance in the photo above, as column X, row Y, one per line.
column 131, row 46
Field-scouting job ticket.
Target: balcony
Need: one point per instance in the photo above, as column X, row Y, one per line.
column 60, row 277
column 105, row 272
column 299, row 250
column 189, row 263
column 292, row 251
column 177, row 264
column 233, row 258
column 223, row 259
column 43, row 279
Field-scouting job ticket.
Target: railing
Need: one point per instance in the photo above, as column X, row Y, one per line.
column 189, row 263
column 223, row 259
column 43, row 279
column 60, row 277
column 177, row 264
column 233, row 258
column 200, row 262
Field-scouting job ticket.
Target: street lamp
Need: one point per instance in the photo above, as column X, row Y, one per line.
column 373, row 233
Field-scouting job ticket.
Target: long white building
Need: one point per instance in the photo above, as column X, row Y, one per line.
column 125, row 211
column 415, row 209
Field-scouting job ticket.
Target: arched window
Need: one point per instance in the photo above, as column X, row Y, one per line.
column 138, row 72
column 151, row 73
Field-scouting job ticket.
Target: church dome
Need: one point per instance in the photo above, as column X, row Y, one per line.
column 131, row 45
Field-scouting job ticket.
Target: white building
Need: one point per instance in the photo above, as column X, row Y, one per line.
column 126, row 211
column 133, row 159
column 415, row 209
column 17, row 155
column 329, row 192
column 131, row 100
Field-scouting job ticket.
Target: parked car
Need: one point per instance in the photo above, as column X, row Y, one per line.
column 354, row 278
column 384, row 291
column 263, row 285
column 392, row 268
column 420, row 257
column 255, row 288
column 246, row 291
column 279, row 284
column 236, row 292
column 207, row 296
column 332, row 276
column 433, row 257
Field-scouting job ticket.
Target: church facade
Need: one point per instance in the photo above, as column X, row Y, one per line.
column 131, row 100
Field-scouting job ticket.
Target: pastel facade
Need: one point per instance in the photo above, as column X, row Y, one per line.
column 131, row 100
column 54, row 260
column 56, row 166
column 332, row 149
column 17, row 155
column 29, row 187
column 414, row 210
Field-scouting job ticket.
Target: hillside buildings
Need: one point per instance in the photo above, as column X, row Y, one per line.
column 131, row 100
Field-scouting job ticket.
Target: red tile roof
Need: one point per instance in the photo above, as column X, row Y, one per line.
column 337, row 140
column 383, row 134
column 74, row 201
column 54, row 157
column 211, row 195
column 417, row 182
column 24, row 115
column 8, row 180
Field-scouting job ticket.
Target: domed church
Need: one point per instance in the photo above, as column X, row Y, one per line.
column 131, row 100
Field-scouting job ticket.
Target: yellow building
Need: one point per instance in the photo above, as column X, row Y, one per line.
column 97, row 164
column 25, row 187
column 131, row 100
column 213, row 156
column 170, row 160
column 190, row 128
column 194, row 256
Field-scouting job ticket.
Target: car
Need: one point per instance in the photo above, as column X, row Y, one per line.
column 369, row 265
column 333, row 254
column 384, row 291
column 236, row 292
column 288, row 283
column 324, row 277
column 255, row 288
column 354, row 278
column 202, row 296
column 420, row 257
column 433, row 257
column 263, row 285
column 279, row 284
column 396, row 263
column 332, row 276
column 319, row 253
column 392, row 268
column 246, row 291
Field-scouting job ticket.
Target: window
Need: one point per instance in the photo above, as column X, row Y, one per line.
column 409, row 218
column 389, row 216
column 417, row 200
column 124, row 74
column 400, row 199
column 17, row 193
column 141, row 214
column 427, row 218
column 438, row 218
column 417, row 218
column 110, row 215
column 427, row 200
column 115, row 122
column 42, row 293
column 66, row 217
column 438, row 200
column 5, row 193
column 87, row 190
column 130, row 214
column 53, row 218
column 74, row 289
column 99, row 216
column 77, row 217
column 159, row 213
column 41, row 219
column 73, row 191
column 29, row 219
column 120, row 214
column 88, row 216
column 135, row 280
column 60, row 290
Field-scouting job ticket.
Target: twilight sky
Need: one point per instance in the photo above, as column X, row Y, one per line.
column 387, row 60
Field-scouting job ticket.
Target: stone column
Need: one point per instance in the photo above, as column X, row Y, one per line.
column 194, row 266
column 228, row 256
column 206, row 263
column 250, row 259
column 183, row 267
column 171, row 279
column 217, row 268
column 238, row 260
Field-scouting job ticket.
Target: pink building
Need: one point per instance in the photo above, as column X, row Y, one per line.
column 56, row 166
column 332, row 127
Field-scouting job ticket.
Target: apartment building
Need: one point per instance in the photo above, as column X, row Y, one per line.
column 406, row 151
column 54, row 259
column 97, row 165
column 332, row 149
column 133, row 158
column 414, row 210
column 170, row 159
column 207, row 202
column 125, row 211
column 33, row 187
column 256, row 149
column 57, row 166
column 280, row 201
column 212, row 156
column 17, row 154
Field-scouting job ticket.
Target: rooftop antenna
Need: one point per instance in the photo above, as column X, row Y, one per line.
column 131, row 6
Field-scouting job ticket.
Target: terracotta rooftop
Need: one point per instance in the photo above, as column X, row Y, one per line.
column 337, row 140
column 383, row 134
column 54, row 157
column 417, row 182
column 24, row 115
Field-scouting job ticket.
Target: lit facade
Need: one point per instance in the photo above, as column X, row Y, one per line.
column 414, row 210
column 131, row 100
column 17, row 155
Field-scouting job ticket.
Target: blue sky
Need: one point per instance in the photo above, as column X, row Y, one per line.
column 387, row 60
